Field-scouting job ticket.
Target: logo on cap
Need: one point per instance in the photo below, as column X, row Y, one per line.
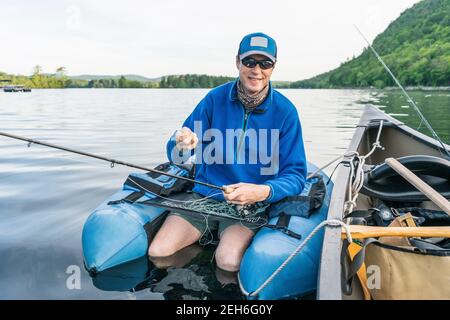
column 259, row 42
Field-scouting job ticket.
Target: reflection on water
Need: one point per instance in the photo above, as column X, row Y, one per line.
column 46, row 195
column 189, row 274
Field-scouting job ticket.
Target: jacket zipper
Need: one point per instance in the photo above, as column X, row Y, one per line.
column 244, row 129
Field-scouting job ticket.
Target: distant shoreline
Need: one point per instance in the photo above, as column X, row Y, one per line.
column 419, row 88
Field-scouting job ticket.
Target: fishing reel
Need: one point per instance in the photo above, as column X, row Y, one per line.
column 250, row 210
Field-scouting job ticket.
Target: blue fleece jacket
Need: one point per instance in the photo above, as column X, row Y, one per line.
column 227, row 155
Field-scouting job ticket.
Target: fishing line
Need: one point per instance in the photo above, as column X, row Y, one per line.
column 213, row 208
column 205, row 206
column 113, row 162
column 408, row 98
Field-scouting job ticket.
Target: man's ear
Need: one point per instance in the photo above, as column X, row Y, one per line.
column 238, row 62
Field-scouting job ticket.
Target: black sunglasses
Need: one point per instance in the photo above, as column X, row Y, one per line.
column 263, row 64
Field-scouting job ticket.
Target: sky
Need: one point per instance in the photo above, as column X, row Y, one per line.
column 161, row 37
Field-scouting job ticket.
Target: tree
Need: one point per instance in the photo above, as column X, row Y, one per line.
column 122, row 82
column 61, row 72
column 416, row 47
column 37, row 70
column 37, row 79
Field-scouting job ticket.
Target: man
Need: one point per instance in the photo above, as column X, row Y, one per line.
column 230, row 115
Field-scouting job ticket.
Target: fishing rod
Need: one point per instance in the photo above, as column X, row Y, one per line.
column 408, row 98
column 112, row 161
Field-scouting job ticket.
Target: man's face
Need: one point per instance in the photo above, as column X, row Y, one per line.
column 254, row 79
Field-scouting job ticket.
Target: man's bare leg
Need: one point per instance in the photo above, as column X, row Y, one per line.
column 234, row 240
column 175, row 234
column 226, row 277
column 179, row 259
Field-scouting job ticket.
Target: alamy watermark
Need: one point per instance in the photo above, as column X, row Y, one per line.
column 373, row 277
column 235, row 146
column 73, row 17
column 73, row 281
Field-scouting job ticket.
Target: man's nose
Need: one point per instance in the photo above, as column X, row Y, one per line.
column 257, row 69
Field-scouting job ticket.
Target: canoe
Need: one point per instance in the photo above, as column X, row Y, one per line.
column 119, row 232
column 423, row 155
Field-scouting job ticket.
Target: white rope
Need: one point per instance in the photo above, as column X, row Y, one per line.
column 331, row 223
column 357, row 173
column 359, row 177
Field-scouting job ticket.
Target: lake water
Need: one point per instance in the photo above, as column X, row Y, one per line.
column 46, row 194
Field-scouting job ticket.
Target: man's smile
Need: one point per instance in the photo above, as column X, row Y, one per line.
column 254, row 80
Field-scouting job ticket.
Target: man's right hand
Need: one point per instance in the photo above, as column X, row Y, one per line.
column 186, row 139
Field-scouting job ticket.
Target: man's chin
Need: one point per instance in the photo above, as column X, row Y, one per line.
column 252, row 89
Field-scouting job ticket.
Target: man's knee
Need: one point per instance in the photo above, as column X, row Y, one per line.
column 228, row 260
column 160, row 249
column 175, row 234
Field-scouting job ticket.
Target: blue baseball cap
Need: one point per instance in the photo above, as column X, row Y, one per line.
column 258, row 43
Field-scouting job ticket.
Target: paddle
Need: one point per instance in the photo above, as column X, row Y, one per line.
column 362, row 232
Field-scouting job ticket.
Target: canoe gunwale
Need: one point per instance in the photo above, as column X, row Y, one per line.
column 329, row 282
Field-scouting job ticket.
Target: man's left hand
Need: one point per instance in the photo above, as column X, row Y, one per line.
column 246, row 193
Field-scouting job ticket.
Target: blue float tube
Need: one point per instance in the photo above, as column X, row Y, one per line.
column 121, row 228
column 118, row 233
column 115, row 234
column 270, row 248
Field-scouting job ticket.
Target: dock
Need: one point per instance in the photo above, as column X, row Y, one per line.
column 16, row 88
